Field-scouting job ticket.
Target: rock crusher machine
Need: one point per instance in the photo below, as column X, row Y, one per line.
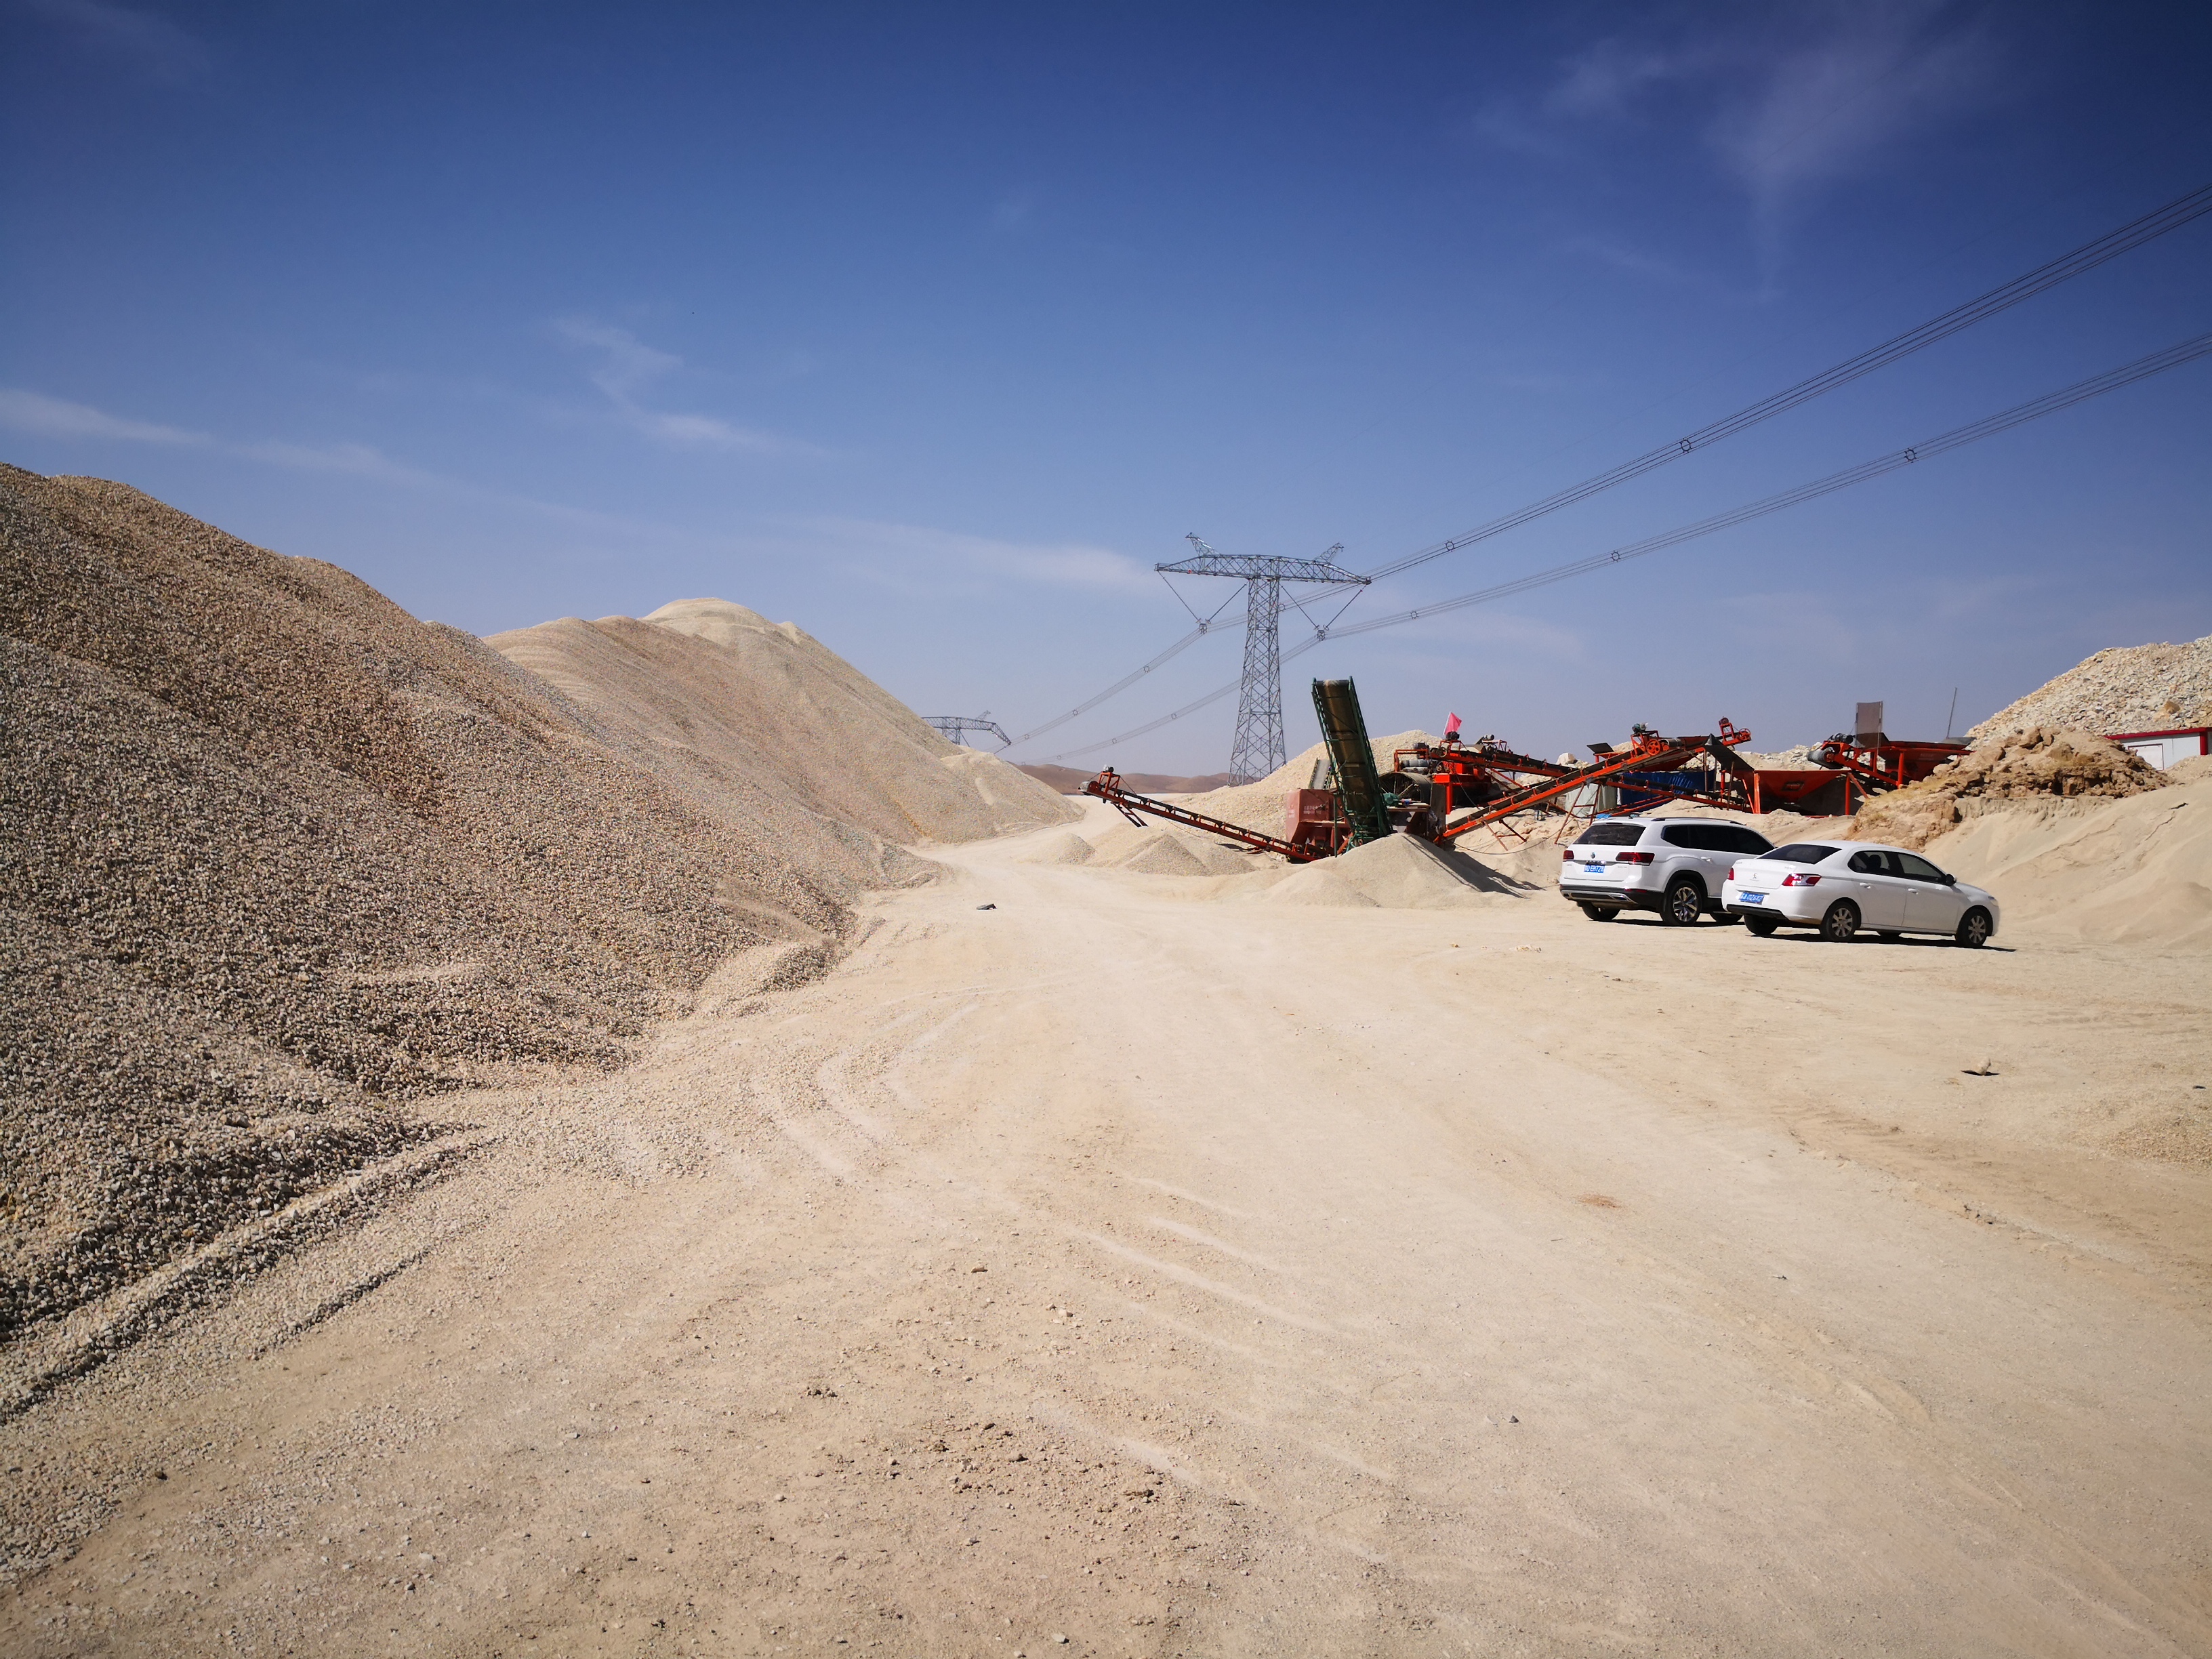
column 1430, row 782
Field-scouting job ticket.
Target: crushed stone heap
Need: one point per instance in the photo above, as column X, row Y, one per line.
column 2041, row 763
column 284, row 865
column 731, row 709
column 2140, row 688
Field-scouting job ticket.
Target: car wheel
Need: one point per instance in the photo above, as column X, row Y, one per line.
column 1685, row 901
column 1600, row 912
column 1760, row 926
column 1841, row 921
column 1973, row 929
column 1889, row 935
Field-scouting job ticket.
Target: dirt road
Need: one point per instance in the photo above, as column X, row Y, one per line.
column 1184, row 1276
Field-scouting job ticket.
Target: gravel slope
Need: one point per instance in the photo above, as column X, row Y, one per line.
column 282, row 860
column 2143, row 688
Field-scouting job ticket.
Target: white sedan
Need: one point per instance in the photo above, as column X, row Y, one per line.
column 1841, row 886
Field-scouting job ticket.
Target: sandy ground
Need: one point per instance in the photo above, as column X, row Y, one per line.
column 1172, row 1276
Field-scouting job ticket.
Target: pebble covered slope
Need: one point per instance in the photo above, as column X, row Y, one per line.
column 2042, row 763
column 742, row 714
column 2138, row 688
column 281, row 859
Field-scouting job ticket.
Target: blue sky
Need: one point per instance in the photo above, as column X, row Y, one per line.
column 932, row 328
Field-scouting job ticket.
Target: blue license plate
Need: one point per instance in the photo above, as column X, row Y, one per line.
column 1751, row 898
column 1594, row 869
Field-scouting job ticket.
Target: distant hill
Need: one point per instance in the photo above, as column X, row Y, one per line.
column 1070, row 779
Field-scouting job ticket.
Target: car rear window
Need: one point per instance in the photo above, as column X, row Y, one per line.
column 1610, row 835
column 1800, row 852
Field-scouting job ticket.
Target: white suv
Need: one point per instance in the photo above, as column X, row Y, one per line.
column 1841, row 886
column 1674, row 865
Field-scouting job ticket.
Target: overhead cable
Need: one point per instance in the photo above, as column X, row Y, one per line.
column 2088, row 257
column 2081, row 391
column 2180, row 212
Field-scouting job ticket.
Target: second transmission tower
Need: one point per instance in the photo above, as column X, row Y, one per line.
column 1259, row 748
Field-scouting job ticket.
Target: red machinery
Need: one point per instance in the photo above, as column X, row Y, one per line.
column 1877, row 761
column 1430, row 781
column 1646, row 753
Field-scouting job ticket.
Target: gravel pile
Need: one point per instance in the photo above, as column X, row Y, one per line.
column 282, row 860
column 2041, row 763
column 739, row 712
column 1799, row 759
column 2141, row 687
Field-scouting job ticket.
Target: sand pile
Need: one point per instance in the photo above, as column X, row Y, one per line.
column 1070, row 848
column 1797, row 759
column 2141, row 688
column 1398, row 872
column 2038, row 765
column 1264, row 805
column 1161, row 849
column 280, row 857
column 2135, row 870
column 744, row 714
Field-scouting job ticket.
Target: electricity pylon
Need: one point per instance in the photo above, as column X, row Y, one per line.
column 955, row 727
column 1259, row 749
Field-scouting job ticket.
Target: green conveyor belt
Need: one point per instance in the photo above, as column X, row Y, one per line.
column 1343, row 729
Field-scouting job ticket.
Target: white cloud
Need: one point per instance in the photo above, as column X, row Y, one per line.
column 357, row 460
column 1633, row 260
column 629, row 367
column 1064, row 564
column 1830, row 106
column 1782, row 100
column 156, row 45
column 52, row 418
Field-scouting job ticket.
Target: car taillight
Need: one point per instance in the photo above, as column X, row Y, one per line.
column 1567, row 855
column 1801, row 880
column 1731, row 874
column 1633, row 858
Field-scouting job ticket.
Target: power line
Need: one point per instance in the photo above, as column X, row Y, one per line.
column 2149, row 227
column 2081, row 391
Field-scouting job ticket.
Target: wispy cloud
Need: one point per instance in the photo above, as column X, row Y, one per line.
column 1635, row 261
column 356, row 460
column 35, row 413
column 903, row 549
column 52, row 418
column 1781, row 101
column 43, row 416
column 627, row 368
column 149, row 42
column 1013, row 210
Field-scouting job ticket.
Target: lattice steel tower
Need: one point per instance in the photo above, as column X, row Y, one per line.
column 1259, row 749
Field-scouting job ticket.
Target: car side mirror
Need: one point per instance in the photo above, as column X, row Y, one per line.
column 1948, row 881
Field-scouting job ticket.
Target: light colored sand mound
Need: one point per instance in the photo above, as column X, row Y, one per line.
column 2127, row 689
column 1797, row 759
column 2138, row 870
column 1163, row 854
column 2197, row 769
column 2041, row 763
column 1070, row 848
column 1400, row 872
column 1264, row 805
column 1160, row 849
column 736, row 710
